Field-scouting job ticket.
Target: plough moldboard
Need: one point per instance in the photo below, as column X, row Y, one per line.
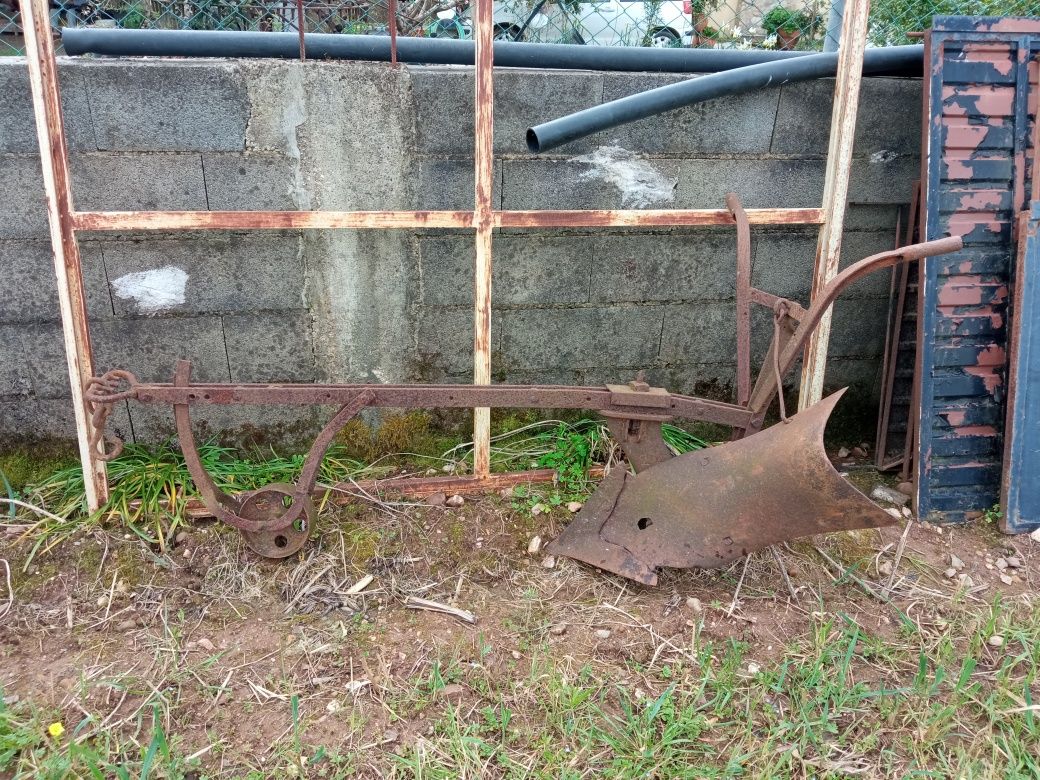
column 702, row 509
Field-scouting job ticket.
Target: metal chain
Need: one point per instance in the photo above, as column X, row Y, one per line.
column 101, row 394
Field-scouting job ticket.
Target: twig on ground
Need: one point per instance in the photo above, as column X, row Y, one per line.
column 360, row 585
column 887, row 590
column 34, row 508
column 783, row 572
column 740, row 584
column 414, row 602
column 846, row 572
column 10, row 590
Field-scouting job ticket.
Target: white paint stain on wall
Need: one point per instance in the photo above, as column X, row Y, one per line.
column 153, row 291
column 640, row 184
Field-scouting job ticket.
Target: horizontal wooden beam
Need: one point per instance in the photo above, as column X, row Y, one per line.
column 414, row 220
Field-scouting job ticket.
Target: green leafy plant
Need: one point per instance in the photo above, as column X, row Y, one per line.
column 781, row 19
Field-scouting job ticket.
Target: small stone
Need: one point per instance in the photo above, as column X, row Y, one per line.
column 506, row 492
column 995, row 641
column 516, row 655
column 906, row 512
column 558, row 630
column 1035, row 535
column 126, row 625
column 956, row 562
column 455, row 501
column 694, row 604
column 1006, row 579
column 888, row 495
column 1014, row 562
column 357, row 687
column 447, row 468
column 966, row 580
column 101, row 601
column 390, row 735
column 885, row 567
column 181, row 538
column 538, row 509
column 205, row 644
column 436, row 499
column 574, row 506
column 894, row 512
column 859, row 452
column 843, row 453
column 333, row 707
column 950, row 573
column 549, row 562
column 534, row 545
column 754, row 668
column 906, row 488
column 603, row 634
column 989, row 566
column 1001, row 564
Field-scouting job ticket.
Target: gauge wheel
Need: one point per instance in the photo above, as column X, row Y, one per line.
column 664, row 39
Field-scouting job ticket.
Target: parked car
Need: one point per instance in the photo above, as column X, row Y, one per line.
column 595, row 22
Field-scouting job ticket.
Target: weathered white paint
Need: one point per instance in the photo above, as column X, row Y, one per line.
column 640, row 184
column 153, row 291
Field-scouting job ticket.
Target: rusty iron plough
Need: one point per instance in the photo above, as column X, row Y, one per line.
column 704, row 508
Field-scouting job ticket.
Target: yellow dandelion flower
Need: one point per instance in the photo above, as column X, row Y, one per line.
column 56, row 729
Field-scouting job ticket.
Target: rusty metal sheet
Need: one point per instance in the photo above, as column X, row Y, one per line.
column 708, row 508
column 976, row 147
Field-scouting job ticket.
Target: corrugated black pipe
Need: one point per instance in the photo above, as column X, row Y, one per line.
column 417, row 51
column 891, row 61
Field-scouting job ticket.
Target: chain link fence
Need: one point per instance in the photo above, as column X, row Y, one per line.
column 741, row 24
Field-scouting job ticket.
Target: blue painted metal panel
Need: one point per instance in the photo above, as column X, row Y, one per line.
column 1020, row 497
column 976, row 178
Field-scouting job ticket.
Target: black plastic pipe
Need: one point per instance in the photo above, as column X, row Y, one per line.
column 416, row 51
column 891, row 61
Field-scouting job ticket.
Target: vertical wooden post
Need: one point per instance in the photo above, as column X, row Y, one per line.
column 54, row 159
column 835, row 187
column 483, row 160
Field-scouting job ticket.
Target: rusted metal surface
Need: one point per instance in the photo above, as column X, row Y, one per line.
column 301, row 24
column 398, row 220
column 895, row 413
column 976, row 145
column 1020, row 485
column 708, row 508
column 277, row 521
column 54, row 162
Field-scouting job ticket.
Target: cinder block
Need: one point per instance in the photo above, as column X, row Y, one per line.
column 15, row 376
column 889, row 117
column 703, row 184
column 698, row 333
column 144, row 182
column 884, row 178
column 29, row 270
column 286, row 428
column 653, row 267
column 448, row 185
column 17, row 123
column 229, row 273
column 151, row 346
column 858, row 327
column 556, row 376
column 579, row 338
column 44, row 354
column 444, row 343
column 576, row 184
column 270, row 347
column 167, row 106
column 863, row 216
column 741, row 124
column 250, row 182
column 28, row 420
column 23, row 210
column 861, row 376
column 708, row 380
column 784, row 262
column 528, row 269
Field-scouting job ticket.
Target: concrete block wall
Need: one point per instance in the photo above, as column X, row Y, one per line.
column 574, row 306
